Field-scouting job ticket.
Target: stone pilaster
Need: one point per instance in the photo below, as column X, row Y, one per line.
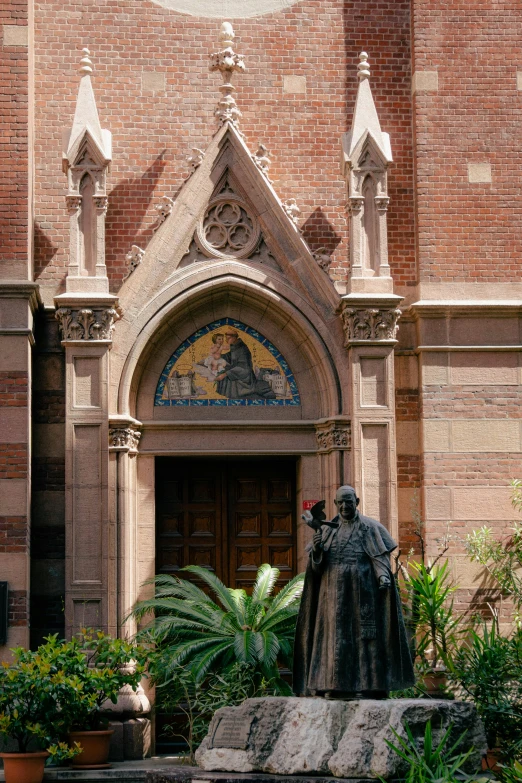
column 370, row 326
column 334, row 445
column 86, row 325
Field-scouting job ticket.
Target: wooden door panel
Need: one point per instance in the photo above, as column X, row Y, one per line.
column 248, row 524
column 226, row 515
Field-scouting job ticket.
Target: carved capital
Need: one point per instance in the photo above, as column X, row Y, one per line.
column 370, row 324
column 124, row 439
column 354, row 205
column 334, row 436
column 101, row 203
column 86, row 323
column 381, row 202
column 73, row 204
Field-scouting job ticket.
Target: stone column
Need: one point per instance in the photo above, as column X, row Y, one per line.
column 91, row 548
column 124, row 436
column 370, row 325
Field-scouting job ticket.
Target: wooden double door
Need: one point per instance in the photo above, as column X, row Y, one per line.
column 227, row 515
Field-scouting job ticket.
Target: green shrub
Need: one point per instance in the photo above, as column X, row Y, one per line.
column 487, row 668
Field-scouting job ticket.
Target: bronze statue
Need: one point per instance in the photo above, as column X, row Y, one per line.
column 350, row 640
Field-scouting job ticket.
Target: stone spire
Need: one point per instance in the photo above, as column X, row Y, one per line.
column 86, row 117
column 228, row 62
column 365, row 117
column 366, row 155
column 86, row 158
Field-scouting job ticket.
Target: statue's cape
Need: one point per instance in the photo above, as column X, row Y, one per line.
column 376, row 542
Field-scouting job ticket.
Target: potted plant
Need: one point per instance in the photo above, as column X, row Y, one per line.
column 30, row 714
column 97, row 667
column 436, row 624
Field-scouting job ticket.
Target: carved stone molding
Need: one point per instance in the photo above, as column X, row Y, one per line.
column 196, row 159
column 354, row 205
column 124, row 439
column 87, row 323
column 370, row 324
column 334, row 436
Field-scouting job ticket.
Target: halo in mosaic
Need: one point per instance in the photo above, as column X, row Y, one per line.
column 226, row 364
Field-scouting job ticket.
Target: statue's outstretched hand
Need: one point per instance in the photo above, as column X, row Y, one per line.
column 317, row 541
column 384, row 582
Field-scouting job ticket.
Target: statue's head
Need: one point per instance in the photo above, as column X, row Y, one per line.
column 346, row 502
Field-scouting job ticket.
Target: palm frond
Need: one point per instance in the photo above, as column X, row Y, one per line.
column 266, row 578
column 266, row 647
column 290, row 593
column 222, row 592
column 202, row 663
column 244, row 646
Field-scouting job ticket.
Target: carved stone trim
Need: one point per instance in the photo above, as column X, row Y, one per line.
column 86, row 323
column 124, row 438
column 370, row 324
column 354, row 205
column 293, row 211
column 262, row 160
column 334, row 436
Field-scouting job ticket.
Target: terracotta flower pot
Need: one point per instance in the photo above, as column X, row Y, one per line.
column 95, row 748
column 24, row 767
column 490, row 760
column 435, row 681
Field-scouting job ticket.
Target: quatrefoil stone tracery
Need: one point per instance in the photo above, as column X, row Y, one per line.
column 227, row 229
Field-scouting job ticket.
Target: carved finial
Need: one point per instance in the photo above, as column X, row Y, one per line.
column 85, row 63
column 363, row 69
column 228, row 62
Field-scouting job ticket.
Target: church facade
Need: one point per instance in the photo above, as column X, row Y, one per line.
column 251, row 250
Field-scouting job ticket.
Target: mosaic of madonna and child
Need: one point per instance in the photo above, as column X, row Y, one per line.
column 226, row 363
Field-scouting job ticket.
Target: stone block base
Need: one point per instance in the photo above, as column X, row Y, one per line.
column 131, row 741
column 314, row 736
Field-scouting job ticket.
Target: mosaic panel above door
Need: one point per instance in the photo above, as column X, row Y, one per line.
column 226, row 363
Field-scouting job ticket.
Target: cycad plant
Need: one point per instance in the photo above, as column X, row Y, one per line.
column 191, row 629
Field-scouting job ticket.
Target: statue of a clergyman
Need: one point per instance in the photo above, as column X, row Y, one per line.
column 350, row 640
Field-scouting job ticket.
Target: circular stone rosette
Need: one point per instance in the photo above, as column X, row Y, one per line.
column 227, row 229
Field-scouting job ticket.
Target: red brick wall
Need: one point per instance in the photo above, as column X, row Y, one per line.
column 468, row 231
column 153, row 133
column 13, row 145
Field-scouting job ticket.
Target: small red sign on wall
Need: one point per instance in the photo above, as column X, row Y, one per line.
column 308, row 504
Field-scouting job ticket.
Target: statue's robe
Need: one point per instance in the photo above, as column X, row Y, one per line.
column 240, row 378
column 350, row 635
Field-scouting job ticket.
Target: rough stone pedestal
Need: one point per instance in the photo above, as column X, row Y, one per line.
column 292, row 736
